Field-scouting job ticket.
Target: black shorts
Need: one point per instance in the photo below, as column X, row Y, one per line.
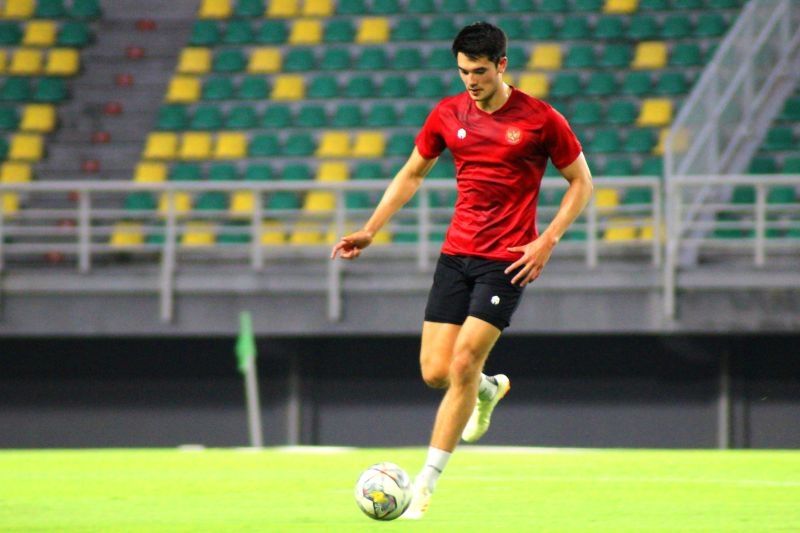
column 471, row 286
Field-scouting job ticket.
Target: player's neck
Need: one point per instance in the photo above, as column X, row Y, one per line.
column 498, row 99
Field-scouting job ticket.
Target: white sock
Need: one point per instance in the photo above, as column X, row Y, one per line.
column 487, row 387
column 434, row 466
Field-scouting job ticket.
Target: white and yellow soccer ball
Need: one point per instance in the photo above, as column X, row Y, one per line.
column 383, row 491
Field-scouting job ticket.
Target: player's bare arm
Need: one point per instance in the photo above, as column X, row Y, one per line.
column 401, row 189
column 536, row 254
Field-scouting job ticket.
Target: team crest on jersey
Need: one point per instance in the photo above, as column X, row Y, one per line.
column 513, row 135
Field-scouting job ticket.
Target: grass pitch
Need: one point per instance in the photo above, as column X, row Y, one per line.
column 483, row 489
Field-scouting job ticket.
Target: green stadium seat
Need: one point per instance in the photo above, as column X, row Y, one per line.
column 441, row 29
column 212, row 201
column 779, row 138
column 347, row 116
column 652, row 166
column 585, row 112
column 258, row 172
column 419, row 7
column 671, row 83
column 299, row 60
column 710, row 25
column 15, row 90
column 385, row 7
column 139, row 201
column 687, row 4
column 323, row 87
column 229, row 61
column 373, row 58
column 605, row 141
column 49, row 90
column 280, row 200
column 580, row 56
column 725, row 232
column 249, row 8
column 429, row 86
column 172, row 118
column 217, row 88
column 336, row 59
column 554, row 6
column 234, row 232
column 456, row 86
column 299, row 145
column 400, row 144
column 204, row 33
column 622, row 112
column 10, row 33
column 264, row 145
column 351, row 7
column 791, row 110
column 519, row 6
column 206, row 118
column 574, row 27
column 407, row 59
column 185, row 172
column 238, row 32
column 381, row 115
column 241, row 118
column 311, row 116
column 636, row 83
column 407, row 30
column 296, row 172
column 223, row 172
column 368, row 171
column 608, row 28
column 791, row 165
column 339, row 31
column 744, row 195
column 272, row 32
column 584, row 6
column 74, row 35
column 566, row 85
column 3, row 148
column 454, row 6
column 542, row 29
column 618, row 167
column 414, row 115
column 277, row 116
column 653, row 5
column 85, row 9
column 615, row 55
column 440, row 58
column 677, row 26
column 601, row 84
column 50, row 9
column 640, row 141
column 9, row 118
column 685, row 55
column 517, row 57
column 253, row 88
column 360, row 87
column 513, row 27
column 723, row 4
column 781, row 195
column 642, row 28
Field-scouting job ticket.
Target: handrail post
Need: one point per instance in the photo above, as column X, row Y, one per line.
column 591, row 237
column 84, row 231
column 423, row 231
column 760, row 233
column 656, row 188
column 168, row 261
column 335, row 267
column 256, row 250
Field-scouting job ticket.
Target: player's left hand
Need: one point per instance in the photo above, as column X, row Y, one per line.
column 535, row 255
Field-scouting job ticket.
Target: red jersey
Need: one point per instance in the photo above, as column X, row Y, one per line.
column 500, row 158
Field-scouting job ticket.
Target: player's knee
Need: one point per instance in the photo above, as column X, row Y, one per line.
column 435, row 377
column 465, row 366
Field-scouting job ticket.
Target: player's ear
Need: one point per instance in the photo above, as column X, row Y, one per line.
column 502, row 65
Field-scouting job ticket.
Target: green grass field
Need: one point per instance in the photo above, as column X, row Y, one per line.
column 502, row 489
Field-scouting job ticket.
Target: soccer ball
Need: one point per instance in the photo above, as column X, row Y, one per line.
column 383, row 491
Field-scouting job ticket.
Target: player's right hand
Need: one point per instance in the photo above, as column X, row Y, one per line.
column 350, row 246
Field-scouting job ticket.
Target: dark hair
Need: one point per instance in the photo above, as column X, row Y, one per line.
column 481, row 39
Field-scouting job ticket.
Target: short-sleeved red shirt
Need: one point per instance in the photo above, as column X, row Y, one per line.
column 500, row 158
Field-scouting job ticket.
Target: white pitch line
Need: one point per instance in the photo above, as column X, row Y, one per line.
column 622, row 479
column 321, row 450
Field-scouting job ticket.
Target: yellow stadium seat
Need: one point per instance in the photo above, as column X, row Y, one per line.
column 15, row 172
column 317, row 8
column 40, row 33
column 373, row 30
column 282, row 9
column 272, row 233
column 680, row 144
column 26, row 147
column 621, row 6
column 63, row 62
column 40, row 118
column 242, row 203
column 3, row 61
column 215, row 9
column 332, row 171
column 655, row 112
column 535, row 84
column 183, row 90
column 230, row 145
column 545, row 57
column 161, row 145
column 288, row 87
column 19, row 9
column 127, row 234
column 383, row 236
column 195, row 145
column 150, row 172
column 194, row 60
column 306, row 31
column 620, row 229
column 319, row 201
column 264, row 61
column 26, row 62
column 369, row 144
column 650, row 55
column 606, row 199
column 334, row 144
column 10, row 204
column 307, row 233
column 182, row 203
column 199, row 234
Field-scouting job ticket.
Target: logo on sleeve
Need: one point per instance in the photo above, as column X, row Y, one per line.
column 513, row 135
column 461, row 133
column 495, row 300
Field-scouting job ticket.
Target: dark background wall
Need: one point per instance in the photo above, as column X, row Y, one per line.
column 570, row 390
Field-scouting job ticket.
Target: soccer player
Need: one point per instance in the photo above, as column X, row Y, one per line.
column 500, row 139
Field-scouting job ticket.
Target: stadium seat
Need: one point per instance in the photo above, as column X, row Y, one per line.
column 241, row 118
column 606, row 199
column 580, row 56
column 195, row 146
column 655, row 112
column 39, row 118
column 288, row 87
column 441, row 29
column 323, row 87
column 47, row 90
column 762, row 164
column 333, row 171
column 317, row 8
column 139, row 201
column 9, row 118
column 407, row 59
column 299, row 145
column 339, row 31
column 204, row 33
column 779, row 138
column 710, row 25
column 229, row 61
column 620, row 6
column 217, row 88
column 9, row 204
column 360, row 87
column 541, row 29
column 400, row 144
column 249, row 8
column 15, row 172
column 230, row 145
column 161, row 145
column 10, row 33
column 223, row 172
column 385, row 7
column 198, row 234
column 621, row 112
column 334, row 144
column 545, row 57
column 414, row 115
column 62, row 62
column 264, row 61
column 650, row 55
column 40, row 33
column 242, row 203
column 26, row 62
column 585, row 112
column 371, row 58
column 791, row 110
column 306, row 233
column 381, row 116
column 181, row 203
column 311, row 116
column 346, row 116
column 637, row 83
column 685, row 55
column 534, row 84
column 642, row 27
column 19, row 9
column 299, row 60
column 253, row 88
column 369, row 144
column 238, row 32
column 150, row 172
column 215, row 9
column 208, row 117
column 615, row 55
column 608, row 28
column 618, row 167
column 272, row 32
column 407, row 29
column 319, row 201
column 513, row 27
column 373, row 30
column 282, row 9
column 640, row 141
column 183, row 89
column 605, row 141
column 50, row 9
column 305, row 32
column 677, row 26
column 601, row 83
column 574, row 27
column 336, row 59
column 126, row 234
column 394, row 87
column 620, row 230
column 277, row 116
column 671, row 83
column 351, row 7
column 264, row 145
column 194, row 61
column 172, row 118
column 26, row 147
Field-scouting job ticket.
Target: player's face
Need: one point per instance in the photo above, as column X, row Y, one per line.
column 481, row 76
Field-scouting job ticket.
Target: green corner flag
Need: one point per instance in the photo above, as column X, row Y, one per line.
column 246, row 343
